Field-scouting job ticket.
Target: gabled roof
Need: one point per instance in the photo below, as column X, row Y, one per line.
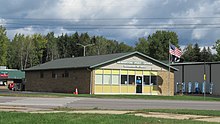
column 91, row 61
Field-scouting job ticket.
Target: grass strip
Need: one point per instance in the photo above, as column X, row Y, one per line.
column 58, row 118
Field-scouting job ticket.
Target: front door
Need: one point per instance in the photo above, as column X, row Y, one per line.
column 138, row 84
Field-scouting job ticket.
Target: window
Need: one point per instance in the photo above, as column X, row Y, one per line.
column 65, row 74
column 98, row 79
column 41, row 74
column 107, row 79
column 115, row 79
column 124, row 79
column 131, row 80
column 154, row 80
column 146, row 80
column 54, row 75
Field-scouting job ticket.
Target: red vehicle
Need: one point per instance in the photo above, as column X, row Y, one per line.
column 11, row 86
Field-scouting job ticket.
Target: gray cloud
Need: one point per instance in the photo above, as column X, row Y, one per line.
column 61, row 16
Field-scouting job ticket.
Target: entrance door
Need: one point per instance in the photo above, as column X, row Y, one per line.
column 138, row 84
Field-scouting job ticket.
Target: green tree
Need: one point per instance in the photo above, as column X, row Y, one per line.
column 188, row 53
column 196, row 53
column 51, row 51
column 142, row 46
column 16, row 52
column 122, row 47
column 4, row 42
column 217, row 48
column 157, row 44
column 206, row 55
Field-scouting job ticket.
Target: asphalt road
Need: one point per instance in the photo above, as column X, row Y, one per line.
column 100, row 103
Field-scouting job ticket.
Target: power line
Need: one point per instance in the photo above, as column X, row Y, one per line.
column 115, row 18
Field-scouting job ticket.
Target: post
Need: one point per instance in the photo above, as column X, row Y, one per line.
column 168, row 83
column 204, row 76
column 84, row 47
column 84, row 50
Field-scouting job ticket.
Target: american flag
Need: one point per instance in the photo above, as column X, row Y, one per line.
column 175, row 51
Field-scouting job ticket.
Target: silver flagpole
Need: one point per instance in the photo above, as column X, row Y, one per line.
column 168, row 83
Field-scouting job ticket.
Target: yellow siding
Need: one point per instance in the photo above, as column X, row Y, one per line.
column 147, row 89
column 138, row 72
column 115, row 71
column 124, row 89
column 155, row 88
column 115, row 89
column 98, row 88
column 124, row 72
column 131, row 72
column 107, row 89
column 107, row 71
column 153, row 73
column 146, row 73
column 131, row 89
column 98, row 71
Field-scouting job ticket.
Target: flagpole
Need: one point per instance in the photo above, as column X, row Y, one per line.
column 168, row 83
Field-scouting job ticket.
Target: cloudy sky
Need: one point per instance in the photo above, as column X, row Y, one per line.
column 122, row 20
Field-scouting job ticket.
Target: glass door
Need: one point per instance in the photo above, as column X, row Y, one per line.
column 138, row 84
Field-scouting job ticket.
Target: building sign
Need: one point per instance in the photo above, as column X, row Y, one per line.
column 3, row 74
column 134, row 64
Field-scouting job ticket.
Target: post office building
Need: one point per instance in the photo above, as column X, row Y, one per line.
column 121, row 73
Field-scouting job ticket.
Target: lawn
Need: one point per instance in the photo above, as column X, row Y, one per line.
column 184, row 111
column 59, row 118
column 150, row 97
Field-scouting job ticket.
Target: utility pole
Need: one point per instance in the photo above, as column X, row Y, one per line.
column 84, row 47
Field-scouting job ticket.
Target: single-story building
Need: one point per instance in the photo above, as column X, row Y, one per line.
column 121, row 73
column 191, row 75
column 8, row 76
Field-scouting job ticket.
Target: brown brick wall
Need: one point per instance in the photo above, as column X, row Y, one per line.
column 163, row 83
column 79, row 78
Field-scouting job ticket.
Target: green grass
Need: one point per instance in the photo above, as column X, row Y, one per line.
column 149, row 97
column 184, row 111
column 60, row 118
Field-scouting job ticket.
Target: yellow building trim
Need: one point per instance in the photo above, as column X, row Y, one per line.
column 146, row 72
column 98, row 71
column 115, row 89
column 154, row 73
column 124, row 72
column 107, row 89
column 115, row 72
column 124, row 89
column 107, row 71
column 131, row 72
column 139, row 72
column 131, row 89
column 147, row 89
column 98, row 88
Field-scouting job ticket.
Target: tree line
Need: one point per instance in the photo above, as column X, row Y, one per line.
column 24, row 51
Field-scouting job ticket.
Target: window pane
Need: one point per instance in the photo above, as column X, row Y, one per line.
column 124, row 79
column 66, row 74
column 131, row 79
column 41, row 74
column 54, row 75
column 107, row 79
column 146, row 80
column 98, row 79
column 154, row 80
column 115, row 79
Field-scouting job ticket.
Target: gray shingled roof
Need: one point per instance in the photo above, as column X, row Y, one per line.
column 88, row 61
